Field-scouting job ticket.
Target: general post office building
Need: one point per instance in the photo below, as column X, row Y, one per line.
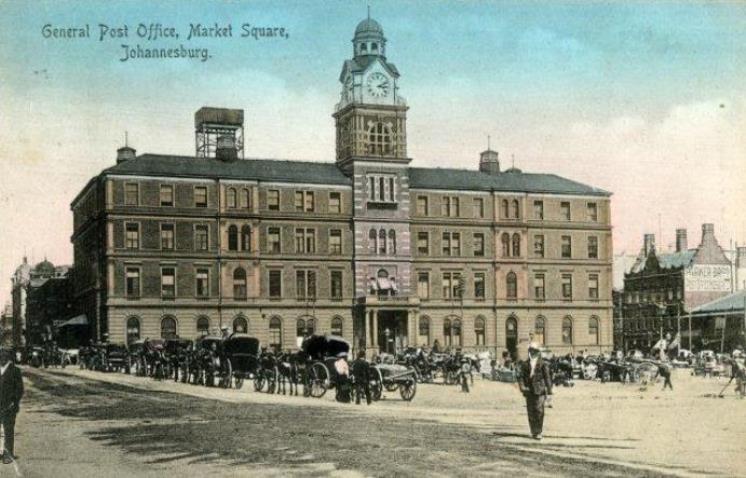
column 366, row 247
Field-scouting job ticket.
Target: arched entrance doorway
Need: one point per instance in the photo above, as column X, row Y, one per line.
column 511, row 337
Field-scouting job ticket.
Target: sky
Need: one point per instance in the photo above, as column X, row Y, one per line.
column 643, row 99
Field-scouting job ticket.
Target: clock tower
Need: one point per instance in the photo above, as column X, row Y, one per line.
column 371, row 115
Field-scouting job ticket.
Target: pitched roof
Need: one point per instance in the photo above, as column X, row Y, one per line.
column 665, row 261
column 329, row 173
column 729, row 303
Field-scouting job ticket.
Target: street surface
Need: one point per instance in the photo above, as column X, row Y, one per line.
column 90, row 424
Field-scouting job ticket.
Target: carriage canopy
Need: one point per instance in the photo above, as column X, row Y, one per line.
column 241, row 344
column 320, row 347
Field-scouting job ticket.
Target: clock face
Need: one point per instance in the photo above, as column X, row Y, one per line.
column 378, row 85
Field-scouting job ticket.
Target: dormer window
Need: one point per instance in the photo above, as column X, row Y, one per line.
column 374, row 47
column 363, row 47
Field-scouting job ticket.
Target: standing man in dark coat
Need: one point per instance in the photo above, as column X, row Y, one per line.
column 361, row 374
column 535, row 383
column 11, row 392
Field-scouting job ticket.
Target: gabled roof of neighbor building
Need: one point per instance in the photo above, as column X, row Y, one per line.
column 729, row 303
column 329, row 173
column 666, row 260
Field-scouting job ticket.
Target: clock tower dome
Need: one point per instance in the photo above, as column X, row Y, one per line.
column 371, row 115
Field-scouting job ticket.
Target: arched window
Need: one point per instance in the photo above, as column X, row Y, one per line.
column 447, row 332
column 479, row 331
column 516, row 245
column 203, row 325
column 168, row 327
column 133, row 329
column 540, row 331
column 244, row 200
column 567, row 331
column 457, row 332
column 372, row 242
column 382, row 241
column 300, row 329
column 230, row 198
column 275, row 334
column 515, row 209
column 593, row 330
column 337, row 326
column 379, row 139
column 505, row 209
column 511, row 285
column 505, row 239
column 240, row 325
column 246, row 238
column 239, row 284
column 424, row 331
column 232, row 238
column 392, row 241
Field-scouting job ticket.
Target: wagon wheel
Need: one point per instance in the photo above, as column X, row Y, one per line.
column 408, row 388
column 239, row 383
column 226, row 375
column 376, row 385
column 319, row 379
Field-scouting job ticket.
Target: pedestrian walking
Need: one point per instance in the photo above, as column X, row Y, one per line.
column 535, row 383
column 665, row 371
column 11, row 392
column 464, row 372
column 361, row 374
column 343, row 377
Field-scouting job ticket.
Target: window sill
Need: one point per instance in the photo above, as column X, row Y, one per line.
column 382, row 205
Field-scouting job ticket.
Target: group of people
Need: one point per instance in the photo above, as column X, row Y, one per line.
column 353, row 379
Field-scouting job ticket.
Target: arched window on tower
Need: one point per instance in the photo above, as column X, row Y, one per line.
column 230, row 198
column 511, row 285
column 372, row 241
column 246, row 238
column 515, row 209
column 516, row 245
column 392, row 242
column 379, row 139
column 505, row 239
column 232, row 238
column 505, row 209
column 382, row 242
column 244, row 199
column 239, row 284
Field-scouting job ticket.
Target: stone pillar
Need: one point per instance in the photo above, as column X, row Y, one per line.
column 375, row 329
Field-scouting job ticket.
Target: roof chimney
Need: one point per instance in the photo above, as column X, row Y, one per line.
column 681, row 245
column 708, row 233
column 125, row 153
column 648, row 243
column 226, row 149
column 489, row 162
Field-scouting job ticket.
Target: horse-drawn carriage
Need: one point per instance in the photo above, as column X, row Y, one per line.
column 115, row 358
column 229, row 361
column 321, row 351
column 148, row 357
column 241, row 353
column 393, row 377
column 177, row 355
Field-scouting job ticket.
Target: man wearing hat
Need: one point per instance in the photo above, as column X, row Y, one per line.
column 225, row 331
column 11, row 392
column 535, row 383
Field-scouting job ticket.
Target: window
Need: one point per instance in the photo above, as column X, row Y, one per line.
column 593, row 330
column 479, row 331
column 516, row 245
column 132, row 235
column 422, row 206
column 567, row 331
column 505, row 208
column 511, row 285
column 335, row 203
column 167, row 195
column 230, row 198
column 201, row 241
column 381, row 188
column 539, row 287
column 304, row 328
column 167, row 237
column 203, row 325
column 335, row 241
column 335, row 280
column 239, row 284
column 168, row 282
column 245, row 199
column 168, row 327
column 424, row 331
column 246, row 238
column 478, row 208
column 567, row 286
column 515, row 209
column 275, row 334
column 539, row 245
column 275, row 284
column 456, row 332
column 132, row 198
column 372, row 241
column 479, row 288
column 505, row 240
column 232, row 238
column 337, row 326
column 592, row 212
column 310, row 201
column 452, row 244
column 133, row 329
column 593, row 247
column 423, row 243
column 200, row 196
column 273, row 200
column 382, row 242
column 379, row 139
column 566, row 247
column 299, row 200
column 203, row 283
column 451, row 285
column 132, row 278
column 273, row 240
column 392, row 242
column 478, row 244
column 539, row 210
column 305, row 284
column 240, row 325
column 423, row 285
column 305, row 240
column 447, row 332
column 449, row 207
column 540, row 331
column 593, row 286
column 565, row 211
